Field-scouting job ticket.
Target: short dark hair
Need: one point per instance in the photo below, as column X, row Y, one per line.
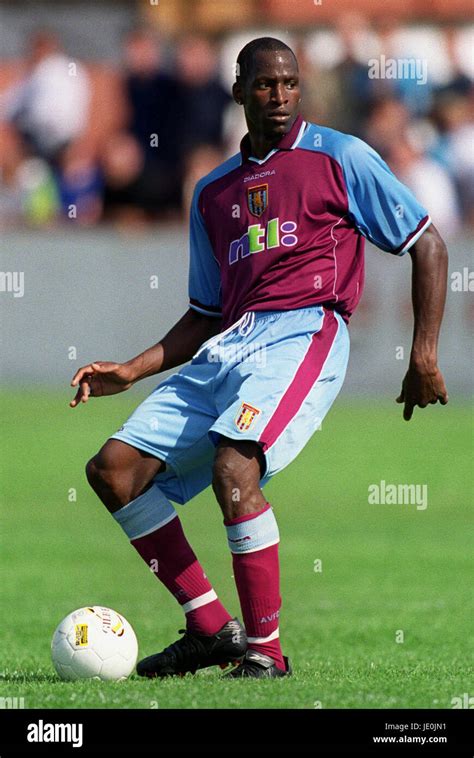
column 245, row 59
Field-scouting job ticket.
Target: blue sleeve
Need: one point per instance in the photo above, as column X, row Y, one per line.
column 204, row 274
column 382, row 208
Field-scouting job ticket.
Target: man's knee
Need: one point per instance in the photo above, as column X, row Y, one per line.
column 98, row 474
column 102, row 475
column 110, row 479
column 225, row 471
column 93, row 473
column 236, row 477
column 120, row 473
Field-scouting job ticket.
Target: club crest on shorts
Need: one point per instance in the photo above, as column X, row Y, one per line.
column 246, row 416
column 257, row 199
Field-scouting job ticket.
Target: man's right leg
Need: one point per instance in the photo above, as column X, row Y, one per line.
column 122, row 476
column 120, row 473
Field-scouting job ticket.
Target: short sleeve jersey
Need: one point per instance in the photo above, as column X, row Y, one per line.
column 288, row 231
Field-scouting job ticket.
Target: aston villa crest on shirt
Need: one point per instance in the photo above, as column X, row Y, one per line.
column 246, row 416
column 257, row 199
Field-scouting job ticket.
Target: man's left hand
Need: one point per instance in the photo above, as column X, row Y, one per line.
column 422, row 387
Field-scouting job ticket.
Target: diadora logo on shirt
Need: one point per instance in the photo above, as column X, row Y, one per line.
column 260, row 175
column 259, row 237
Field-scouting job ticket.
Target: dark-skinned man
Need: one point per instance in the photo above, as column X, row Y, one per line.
column 276, row 270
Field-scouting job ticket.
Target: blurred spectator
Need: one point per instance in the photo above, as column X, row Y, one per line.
column 458, row 83
column 414, row 87
column 353, row 87
column 462, row 156
column 202, row 98
column 430, row 182
column 151, row 92
column 200, row 111
column 153, row 102
column 453, row 115
column 387, row 120
column 28, row 191
column 50, row 106
column 319, row 88
column 234, row 128
column 132, row 185
column 80, row 184
column 11, row 156
column 38, row 190
column 122, row 163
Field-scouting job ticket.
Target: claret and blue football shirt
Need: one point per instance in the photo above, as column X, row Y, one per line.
column 288, row 231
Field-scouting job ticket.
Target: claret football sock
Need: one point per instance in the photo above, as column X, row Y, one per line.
column 154, row 529
column 253, row 541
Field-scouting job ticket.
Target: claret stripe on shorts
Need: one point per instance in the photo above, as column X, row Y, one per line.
column 307, row 374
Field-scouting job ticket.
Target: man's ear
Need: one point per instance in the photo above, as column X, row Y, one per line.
column 237, row 93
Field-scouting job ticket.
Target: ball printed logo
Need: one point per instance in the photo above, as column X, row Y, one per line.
column 119, row 628
column 81, row 635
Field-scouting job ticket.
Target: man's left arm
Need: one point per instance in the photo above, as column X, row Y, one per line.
column 423, row 383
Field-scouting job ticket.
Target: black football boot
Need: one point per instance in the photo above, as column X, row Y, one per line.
column 196, row 651
column 259, row 666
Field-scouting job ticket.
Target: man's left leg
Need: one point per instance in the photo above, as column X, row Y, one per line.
column 253, row 537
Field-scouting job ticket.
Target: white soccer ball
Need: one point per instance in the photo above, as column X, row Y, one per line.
column 94, row 643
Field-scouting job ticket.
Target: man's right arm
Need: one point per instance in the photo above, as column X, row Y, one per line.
column 177, row 347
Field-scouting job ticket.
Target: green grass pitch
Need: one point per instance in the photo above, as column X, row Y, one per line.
column 389, row 572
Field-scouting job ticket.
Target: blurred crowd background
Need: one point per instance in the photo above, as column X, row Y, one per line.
column 121, row 132
column 111, row 110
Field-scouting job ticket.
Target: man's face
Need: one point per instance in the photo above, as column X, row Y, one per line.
column 271, row 94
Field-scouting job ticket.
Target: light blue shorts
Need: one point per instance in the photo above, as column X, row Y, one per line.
column 271, row 378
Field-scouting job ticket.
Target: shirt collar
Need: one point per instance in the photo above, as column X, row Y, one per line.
column 287, row 142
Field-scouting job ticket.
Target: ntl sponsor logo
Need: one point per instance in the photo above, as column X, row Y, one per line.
column 258, row 238
column 46, row 732
column 399, row 494
column 398, row 68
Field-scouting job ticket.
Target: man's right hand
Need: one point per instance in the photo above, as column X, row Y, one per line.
column 101, row 378
column 176, row 347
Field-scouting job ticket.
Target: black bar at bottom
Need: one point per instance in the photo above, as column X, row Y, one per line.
column 224, row 732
